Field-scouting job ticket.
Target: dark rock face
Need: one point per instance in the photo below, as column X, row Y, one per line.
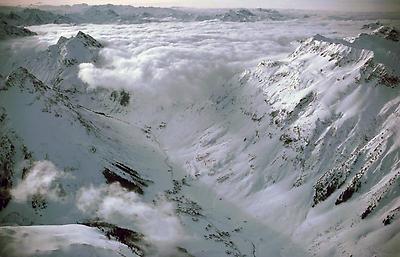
column 14, row 157
column 22, row 76
column 9, row 31
column 127, row 177
column 7, row 153
column 122, row 97
column 88, row 40
column 125, row 236
column 373, row 25
column 389, row 33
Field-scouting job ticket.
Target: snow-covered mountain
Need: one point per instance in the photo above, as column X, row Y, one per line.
column 100, row 14
column 11, row 31
column 33, row 16
column 126, row 14
column 245, row 15
column 295, row 157
column 308, row 144
column 60, row 61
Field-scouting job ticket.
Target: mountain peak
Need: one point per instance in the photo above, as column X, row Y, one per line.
column 88, row 40
column 62, row 40
column 81, row 38
column 76, row 49
column 62, row 60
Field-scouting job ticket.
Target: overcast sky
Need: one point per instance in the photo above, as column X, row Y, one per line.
column 347, row 5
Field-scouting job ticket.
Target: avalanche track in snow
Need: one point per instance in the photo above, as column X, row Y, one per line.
column 298, row 156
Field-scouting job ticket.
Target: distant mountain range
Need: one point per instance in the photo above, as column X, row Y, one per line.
column 10, row 31
column 128, row 14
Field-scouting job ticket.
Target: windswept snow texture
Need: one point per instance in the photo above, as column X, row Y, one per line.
column 215, row 134
column 64, row 240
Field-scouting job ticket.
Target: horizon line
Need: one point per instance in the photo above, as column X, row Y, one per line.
column 192, row 7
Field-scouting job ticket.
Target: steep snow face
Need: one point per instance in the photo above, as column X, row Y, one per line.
column 308, row 144
column 75, row 50
column 45, row 124
column 294, row 157
column 86, row 152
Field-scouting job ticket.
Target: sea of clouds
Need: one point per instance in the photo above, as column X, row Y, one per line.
column 183, row 60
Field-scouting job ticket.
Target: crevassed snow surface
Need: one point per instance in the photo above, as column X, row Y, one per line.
column 226, row 139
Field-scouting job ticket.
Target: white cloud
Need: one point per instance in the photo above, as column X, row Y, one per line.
column 175, row 61
column 116, row 205
column 39, row 180
column 185, row 60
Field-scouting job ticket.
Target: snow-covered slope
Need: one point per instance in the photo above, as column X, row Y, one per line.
column 43, row 124
column 296, row 157
column 66, row 240
column 309, row 144
column 67, row 163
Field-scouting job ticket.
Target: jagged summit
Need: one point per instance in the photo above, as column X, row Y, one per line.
column 365, row 40
column 81, row 37
column 59, row 62
column 375, row 53
column 382, row 32
column 87, row 40
column 77, row 49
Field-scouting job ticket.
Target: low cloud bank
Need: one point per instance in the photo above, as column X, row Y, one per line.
column 180, row 61
column 116, row 205
column 39, row 180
